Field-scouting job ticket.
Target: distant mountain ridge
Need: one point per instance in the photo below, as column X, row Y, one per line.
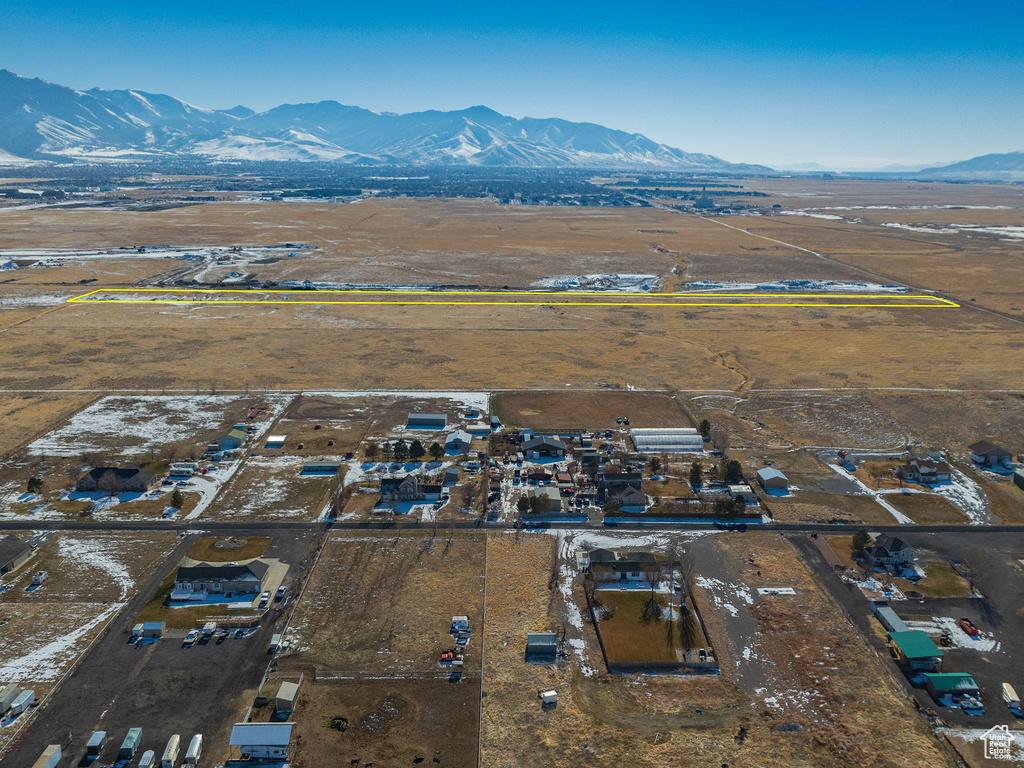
column 1006, row 166
column 44, row 121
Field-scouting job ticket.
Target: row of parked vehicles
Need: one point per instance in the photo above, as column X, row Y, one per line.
column 129, row 748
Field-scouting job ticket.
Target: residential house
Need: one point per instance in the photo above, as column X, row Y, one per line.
column 989, row 455
column 458, row 441
column 128, row 479
column 14, row 553
column 408, row 488
column 629, row 499
column 610, row 483
column 199, row 582
column 890, row 552
column 772, row 479
column 926, row 469
column 915, row 650
column 550, row 496
column 231, row 439
column 544, row 447
column 607, row 567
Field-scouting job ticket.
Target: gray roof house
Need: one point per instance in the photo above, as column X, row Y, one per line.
column 13, row 553
column 544, row 446
column 117, row 480
column 890, row 551
column 194, row 583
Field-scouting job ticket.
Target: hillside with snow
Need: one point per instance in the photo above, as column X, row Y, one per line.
column 45, row 121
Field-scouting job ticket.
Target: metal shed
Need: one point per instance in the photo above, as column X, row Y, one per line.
column 287, row 695
column 672, row 440
column 541, row 646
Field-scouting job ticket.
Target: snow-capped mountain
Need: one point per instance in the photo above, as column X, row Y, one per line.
column 44, row 121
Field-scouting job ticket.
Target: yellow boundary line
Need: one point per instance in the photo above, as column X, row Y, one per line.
column 825, row 300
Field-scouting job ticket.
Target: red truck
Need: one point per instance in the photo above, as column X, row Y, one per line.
column 968, row 626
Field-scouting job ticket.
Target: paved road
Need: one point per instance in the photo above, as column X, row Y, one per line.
column 286, row 525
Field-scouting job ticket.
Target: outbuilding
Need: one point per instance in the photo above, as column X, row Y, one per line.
column 772, row 479
column 541, row 646
column 275, row 442
column 458, row 441
column 256, row 741
column 432, row 421
column 22, row 702
column 544, row 446
column 130, row 745
column 989, row 454
column 50, row 757
column 321, row 467
column 153, row 629
column 670, row 440
column 7, row 696
column 914, row 649
column 287, row 695
column 97, row 742
column 13, row 554
column 940, row 684
column 231, row 439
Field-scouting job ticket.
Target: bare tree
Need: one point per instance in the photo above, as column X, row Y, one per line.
column 109, row 482
column 720, row 439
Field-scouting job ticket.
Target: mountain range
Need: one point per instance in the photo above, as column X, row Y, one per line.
column 44, row 121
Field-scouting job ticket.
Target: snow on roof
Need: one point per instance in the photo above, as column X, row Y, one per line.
column 261, row 734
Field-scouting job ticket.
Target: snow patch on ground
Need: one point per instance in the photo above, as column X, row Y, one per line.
column 612, row 281
column 792, row 285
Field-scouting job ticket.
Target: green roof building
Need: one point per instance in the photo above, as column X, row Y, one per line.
column 913, row 648
column 941, row 683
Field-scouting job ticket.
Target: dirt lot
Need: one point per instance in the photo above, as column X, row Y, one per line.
column 389, row 722
column 162, row 688
column 91, row 577
column 588, row 410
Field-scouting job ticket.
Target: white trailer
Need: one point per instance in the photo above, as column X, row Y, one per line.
column 22, row 702
column 171, row 752
column 148, row 759
column 195, row 749
column 7, row 697
column 1011, row 699
column 50, row 757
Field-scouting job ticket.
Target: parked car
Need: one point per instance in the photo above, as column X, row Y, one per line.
column 281, row 592
column 191, row 637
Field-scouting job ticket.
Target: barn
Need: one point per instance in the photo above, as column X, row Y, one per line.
column 434, row 421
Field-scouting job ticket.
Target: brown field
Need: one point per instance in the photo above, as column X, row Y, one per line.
column 212, row 549
column 588, row 410
column 24, row 417
column 386, row 722
column 1006, row 498
column 627, row 638
column 272, row 487
column 816, row 506
column 926, row 509
column 382, row 604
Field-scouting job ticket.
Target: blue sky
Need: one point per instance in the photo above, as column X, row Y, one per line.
column 842, row 84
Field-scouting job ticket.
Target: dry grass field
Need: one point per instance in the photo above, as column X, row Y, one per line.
column 588, row 410
column 24, row 416
column 373, row 620
column 381, row 604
